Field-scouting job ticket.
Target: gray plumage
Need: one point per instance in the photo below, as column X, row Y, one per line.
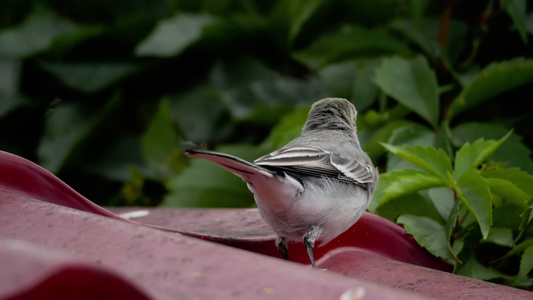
column 318, row 185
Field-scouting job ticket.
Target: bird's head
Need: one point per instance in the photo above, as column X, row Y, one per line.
column 332, row 114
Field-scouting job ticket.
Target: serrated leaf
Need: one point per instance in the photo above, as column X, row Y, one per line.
column 518, row 249
column 508, row 215
column 410, row 183
column 474, row 191
column 520, row 179
column 350, row 43
column 517, row 10
column 472, row 268
column 372, row 145
column 90, row 77
column 384, row 181
column 413, row 134
column 173, row 35
column 428, row 233
column 494, row 79
column 470, row 156
column 526, row 265
column 508, row 191
column 512, row 151
column 413, row 204
column 428, row 159
column 412, row 83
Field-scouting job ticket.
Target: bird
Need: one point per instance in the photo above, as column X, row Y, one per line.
column 314, row 188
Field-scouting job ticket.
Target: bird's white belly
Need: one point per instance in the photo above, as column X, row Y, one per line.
column 334, row 205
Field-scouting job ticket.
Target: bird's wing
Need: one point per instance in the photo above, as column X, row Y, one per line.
column 355, row 168
column 317, row 162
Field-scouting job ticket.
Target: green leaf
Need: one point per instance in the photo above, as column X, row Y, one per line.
column 443, row 200
column 385, row 180
column 530, row 209
column 10, row 99
column 412, row 83
column 300, row 11
column 66, row 127
column 508, row 215
column 35, row 34
column 205, row 184
column 352, row 80
column 508, row 191
column 90, row 77
column 287, row 129
column 428, row 159
column 512, row 151
column 409, row 183
column 412, row 134
column 119, row 161
column 520, row 248
column 350, row 43
column 470, row 156
column 160, row 143
column 472, row 268
column 450, row 226
column 371, row 138
column 425, row 35
column 474, row 191
column 428, row 233
column 500, row 236
column 254, row 92
column 172, row 36
column 494, row 79
column 517, row 10
column 526, row 265
column 520, row 179
column 413, row 204
column 199, row 113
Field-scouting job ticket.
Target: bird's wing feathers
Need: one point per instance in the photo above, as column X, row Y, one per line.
column 318, row 162
column 355, row 168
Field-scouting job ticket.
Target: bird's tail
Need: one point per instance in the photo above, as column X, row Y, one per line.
column 235, row 165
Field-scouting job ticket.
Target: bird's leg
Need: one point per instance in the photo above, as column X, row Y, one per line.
column 309, row 241
column 281, row 243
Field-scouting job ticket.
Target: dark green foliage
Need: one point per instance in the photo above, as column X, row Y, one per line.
column 107, row 93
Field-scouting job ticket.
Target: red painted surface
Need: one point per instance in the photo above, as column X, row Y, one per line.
column 33, row 272
column 162, row 264
column 60, row 232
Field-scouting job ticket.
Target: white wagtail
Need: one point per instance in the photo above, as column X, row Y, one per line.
column 317, row 186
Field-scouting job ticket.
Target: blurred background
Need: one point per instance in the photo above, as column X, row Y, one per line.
column 104, row 93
